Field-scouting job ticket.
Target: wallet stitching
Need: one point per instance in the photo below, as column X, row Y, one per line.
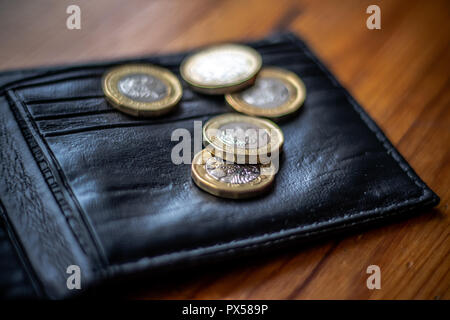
column 55, row 81
column 81, row 98
column 55, row 187
column 390, row 150
column 61, row 116
column 99, row 127
column 364, row 117
column 20, row 253
column 112, row 269
column 64, row 100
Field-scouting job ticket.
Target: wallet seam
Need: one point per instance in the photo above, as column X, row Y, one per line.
column 117, row 268
column 56, row 188
column 362, row 114
column 20, row 253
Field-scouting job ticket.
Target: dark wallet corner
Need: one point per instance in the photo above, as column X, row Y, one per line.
column 87, row 186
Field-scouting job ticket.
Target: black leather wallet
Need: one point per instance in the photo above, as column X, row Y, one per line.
column 83, row 184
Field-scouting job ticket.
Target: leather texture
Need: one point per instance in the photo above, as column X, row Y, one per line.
column 83, row 184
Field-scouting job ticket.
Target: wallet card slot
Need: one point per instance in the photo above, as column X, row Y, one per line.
column 93, row 114
column 74, row 104
column 103, row 121
column 62, row 89
column 44, row 104
column 45, row 110
column 97, row 114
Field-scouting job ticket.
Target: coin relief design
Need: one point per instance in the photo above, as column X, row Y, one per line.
column 229, row 179
column 142, row 90
column 244, row 135
column 142, row 87
column 242, row 139
column 275, row 94
column 231, row 172
column 221, row 67
column 266, row 93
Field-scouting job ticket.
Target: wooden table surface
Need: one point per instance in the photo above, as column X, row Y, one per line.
column 400, row 74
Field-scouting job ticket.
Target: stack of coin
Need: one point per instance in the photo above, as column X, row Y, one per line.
column 238, row 161
column 241, row 155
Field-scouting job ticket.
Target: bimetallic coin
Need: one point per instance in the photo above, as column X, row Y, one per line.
column 231, row 173
column 221, row 69
column 275, row 94
column 230, row 180
column 242, row 139
column 142, row 90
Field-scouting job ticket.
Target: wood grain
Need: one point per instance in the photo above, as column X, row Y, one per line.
column 400, row 74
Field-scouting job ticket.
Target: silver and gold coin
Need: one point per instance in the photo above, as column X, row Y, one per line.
column 221, row 69
column 142, row 90
column 275, row 94
column 230, row 180
column 242, row 139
